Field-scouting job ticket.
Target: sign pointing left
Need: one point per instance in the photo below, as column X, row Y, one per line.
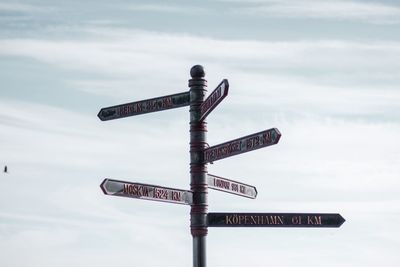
column 145, row 106
column 146, row 191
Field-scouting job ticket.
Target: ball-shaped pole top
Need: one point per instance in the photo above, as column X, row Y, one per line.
column 197, row 71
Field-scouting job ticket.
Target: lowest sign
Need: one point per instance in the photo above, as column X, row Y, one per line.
column 146, row 191
column 275, row 220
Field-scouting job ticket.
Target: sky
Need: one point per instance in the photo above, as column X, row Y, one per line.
column 325, row 73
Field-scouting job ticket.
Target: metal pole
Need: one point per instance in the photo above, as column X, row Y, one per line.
column 198, row 169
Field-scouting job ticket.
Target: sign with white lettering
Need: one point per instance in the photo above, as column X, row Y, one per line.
column 214, row 99
column 145, row 106
column 275, row 220
column 146, row 191
column 230, row 186
column 242, row 145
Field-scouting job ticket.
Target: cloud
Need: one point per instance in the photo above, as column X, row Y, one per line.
column 135, row 61
column 23, row 7
column 318, row 166
column 374, row 12
column 51, row 198
column 332, row 78
column 59, row 157
column 169, row 51
column 166, row 8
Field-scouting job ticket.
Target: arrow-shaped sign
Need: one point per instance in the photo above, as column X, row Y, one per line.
column 242, row 145
column 146, row 191
column 214, row 99
column 275, row 220
column 230, row 186
column 145, row 106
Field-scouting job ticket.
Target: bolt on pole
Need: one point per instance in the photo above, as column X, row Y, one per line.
column 198, row 169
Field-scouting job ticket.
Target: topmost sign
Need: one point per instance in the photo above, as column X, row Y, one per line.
column 214, row 99
column 145, row 106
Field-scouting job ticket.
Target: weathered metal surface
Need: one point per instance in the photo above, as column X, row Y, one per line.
column 144, row 106
column 275, row 220
column 230, row 186
column 242, row 145
column 198, row 142
column 214, row 99
column 198, row 169
column 146, row 191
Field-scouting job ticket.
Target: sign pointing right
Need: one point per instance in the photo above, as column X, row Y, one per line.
column 230, row 186
column 242, row 145
column 275, row 220
column 214, row 99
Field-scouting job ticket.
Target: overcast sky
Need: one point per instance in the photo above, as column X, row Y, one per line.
column 325, row 73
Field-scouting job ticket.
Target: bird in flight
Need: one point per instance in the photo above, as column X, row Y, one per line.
column 5, row 169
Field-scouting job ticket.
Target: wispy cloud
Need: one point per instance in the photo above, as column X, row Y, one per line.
column 330, row 166
column 164, row 8
column 126, row 54
column 375, row 12
column 22, row 7
column 333, row 71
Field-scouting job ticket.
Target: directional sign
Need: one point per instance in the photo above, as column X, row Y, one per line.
column 214, row 99
column 242, row 145
column 275, row 220
column 230, row 186
column 145, row 106
column 146, row 191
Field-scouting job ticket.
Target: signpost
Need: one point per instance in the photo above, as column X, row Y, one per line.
column 144, row 106
column 214, row 99
column 200, row 180
column 242, row 145
column 146, row 191
column 275, row 220
column 230, row 186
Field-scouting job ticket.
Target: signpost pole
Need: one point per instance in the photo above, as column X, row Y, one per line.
column 198, row 168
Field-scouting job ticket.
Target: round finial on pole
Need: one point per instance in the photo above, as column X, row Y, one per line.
column 197, row 71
